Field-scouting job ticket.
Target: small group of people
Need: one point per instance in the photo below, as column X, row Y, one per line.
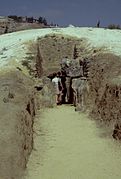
column 58, row 80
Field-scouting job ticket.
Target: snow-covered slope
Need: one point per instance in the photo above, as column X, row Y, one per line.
column 12, row 45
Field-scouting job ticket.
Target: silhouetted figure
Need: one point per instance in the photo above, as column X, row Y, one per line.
column 64, row 90
column 6, row 30
column 98, row 24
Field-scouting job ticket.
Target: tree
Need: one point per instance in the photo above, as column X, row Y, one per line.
column 75, row 53
column 19, row 19
column 30, row 19
column 14, row 17
column 38, row 66
column 44, row 21
column 6, row 30
column 113, row 26
column 51, row 24
column 98, row 24
column 40, row 20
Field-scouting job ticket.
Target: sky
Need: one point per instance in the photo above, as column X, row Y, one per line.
column 65, row 12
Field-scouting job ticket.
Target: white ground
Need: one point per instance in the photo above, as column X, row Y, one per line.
column 12, row 47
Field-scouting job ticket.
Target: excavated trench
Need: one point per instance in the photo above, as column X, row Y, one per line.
column 102, row 71
column 34, row 91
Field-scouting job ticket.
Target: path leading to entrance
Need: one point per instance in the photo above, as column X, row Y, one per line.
column 68, row 145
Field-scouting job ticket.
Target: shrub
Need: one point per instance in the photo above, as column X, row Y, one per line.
column 113, row 26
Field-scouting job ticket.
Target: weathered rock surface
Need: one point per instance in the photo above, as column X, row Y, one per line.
column 17, row 111
column 8, row 25
column 105, row 86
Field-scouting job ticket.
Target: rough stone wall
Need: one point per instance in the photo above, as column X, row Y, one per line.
column 21, row 95
column 47, row 94
column 54, row 48
column 105, row 89
column 17, row 110
column 9, row 23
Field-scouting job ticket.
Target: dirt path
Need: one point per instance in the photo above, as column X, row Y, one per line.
column 68, row 146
